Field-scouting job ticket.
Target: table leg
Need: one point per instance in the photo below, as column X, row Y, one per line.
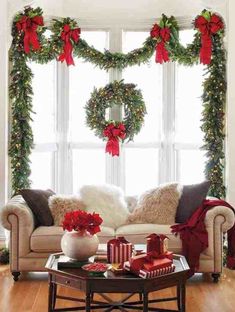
column 54, row 291
column 181, row 297
column 88, row 302
column 145, row 302
column 50, row 295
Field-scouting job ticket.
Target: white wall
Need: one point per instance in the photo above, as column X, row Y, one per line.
column 3, row 105
column 114, row 10
column 230, row 159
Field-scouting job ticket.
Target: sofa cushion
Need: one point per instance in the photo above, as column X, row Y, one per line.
column 108, row 201
column 37, row 201
column 157, row 205
column 137, row 233
column 48, row 238
column 61, row 204
column 191, row 198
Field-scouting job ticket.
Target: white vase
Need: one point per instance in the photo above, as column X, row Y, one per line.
column 79, row 246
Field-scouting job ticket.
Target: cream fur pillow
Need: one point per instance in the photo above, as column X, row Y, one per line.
column 158, row 205
column 60, row 204
column 108, row 201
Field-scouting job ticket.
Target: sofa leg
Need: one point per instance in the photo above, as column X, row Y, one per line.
column 215, row 277
column 16, row 276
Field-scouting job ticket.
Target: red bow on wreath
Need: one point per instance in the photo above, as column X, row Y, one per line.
column 207, row 28
column 68, row 35
column 114, row 133
column 163, row 34
column 29, row 26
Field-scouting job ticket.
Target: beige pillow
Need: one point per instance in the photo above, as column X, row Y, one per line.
column 158, row 205
column 60, row 204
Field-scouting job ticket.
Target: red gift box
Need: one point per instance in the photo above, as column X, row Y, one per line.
column 150, row 261
column 149, row 274
column 156, row 243
column 119, row 250
column 157, row 264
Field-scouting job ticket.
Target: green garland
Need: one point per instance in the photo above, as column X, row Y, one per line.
column 21, row 142
column 213, row 118
column 116, row 93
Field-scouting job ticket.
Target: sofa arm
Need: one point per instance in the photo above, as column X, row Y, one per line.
column 18, row 208
column 218, row 220
column 18, row 219
column 225, row 221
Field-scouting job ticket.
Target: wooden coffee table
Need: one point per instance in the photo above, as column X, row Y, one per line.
column 111, row 283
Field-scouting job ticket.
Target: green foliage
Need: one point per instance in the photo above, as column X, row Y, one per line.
column 214, row 95
column 213, row 118
column 116, row 93
column 4, row 256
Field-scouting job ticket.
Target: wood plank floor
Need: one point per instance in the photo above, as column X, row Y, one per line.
column 31, row 291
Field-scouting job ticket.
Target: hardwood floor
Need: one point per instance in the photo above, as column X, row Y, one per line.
column 31, row 291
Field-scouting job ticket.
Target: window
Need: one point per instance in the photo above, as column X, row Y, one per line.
column 166, row 149
column 44, row 125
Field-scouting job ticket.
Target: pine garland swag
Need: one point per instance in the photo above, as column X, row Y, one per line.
column 21, row 141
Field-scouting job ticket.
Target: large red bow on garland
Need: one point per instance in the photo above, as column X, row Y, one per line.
column 29, row 26
column 68, row 35
column 207, row 28
column 114, row 133
column 164, row 35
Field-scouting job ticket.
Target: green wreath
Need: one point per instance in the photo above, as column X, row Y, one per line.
column 116, row 93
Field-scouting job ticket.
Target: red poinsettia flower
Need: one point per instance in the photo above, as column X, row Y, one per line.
column 82, row 221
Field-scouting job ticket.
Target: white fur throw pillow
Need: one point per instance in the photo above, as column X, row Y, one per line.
column 108, row 201
column 158, row 205
column 60, row 204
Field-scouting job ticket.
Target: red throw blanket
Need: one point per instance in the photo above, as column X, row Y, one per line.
column 194, row 235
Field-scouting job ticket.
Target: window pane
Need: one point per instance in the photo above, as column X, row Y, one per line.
column 44, row 99
column 148, row 78
column 42, row 170
column 191, row 165
column 82, row 79
column 141, row 170
column 188, row 103
column 88, row 167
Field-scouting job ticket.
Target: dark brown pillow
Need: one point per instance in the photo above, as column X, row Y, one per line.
column 191, row 198
column 37, row 201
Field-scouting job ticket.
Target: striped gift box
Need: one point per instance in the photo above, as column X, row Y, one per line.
column 121, row 253
column 149, row 274
column 158, row 272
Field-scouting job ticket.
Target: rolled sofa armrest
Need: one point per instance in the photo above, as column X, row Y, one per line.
column 220, row 216
column 17, row 207
column 218, row 220
column 17, row 217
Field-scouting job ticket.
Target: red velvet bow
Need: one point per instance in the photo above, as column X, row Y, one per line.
column 114, row 133
column 68, row 35
column 164, row 35
column 117, row 241
column 29, row 26
column 207, row 29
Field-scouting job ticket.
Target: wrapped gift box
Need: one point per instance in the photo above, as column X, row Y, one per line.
column 148, row 274
column 157, row 264
column 157, row 243
column 119, row 250
column 149, row 262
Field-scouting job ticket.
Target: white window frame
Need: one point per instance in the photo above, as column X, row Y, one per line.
column 62, row 149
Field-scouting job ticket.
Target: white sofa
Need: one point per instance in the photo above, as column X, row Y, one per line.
column 30, row 246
